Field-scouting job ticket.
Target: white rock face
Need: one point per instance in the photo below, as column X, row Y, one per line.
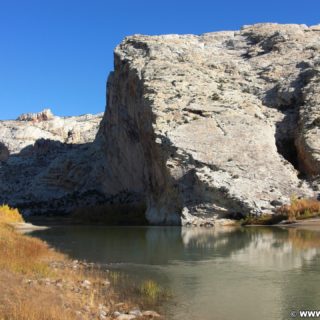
column 53, row 165
column 21, row 133
column 44, row 115
column 199, row 127
column 215, row 124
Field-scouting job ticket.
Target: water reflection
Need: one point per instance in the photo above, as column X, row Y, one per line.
column 227, row 273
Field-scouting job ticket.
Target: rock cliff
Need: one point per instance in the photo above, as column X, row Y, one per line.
column 52, row 163
column 219, row 125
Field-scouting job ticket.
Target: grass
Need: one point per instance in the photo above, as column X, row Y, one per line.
column 148, row 291
column 301, row 209
column 38, row 283
column 298, row 209
column 22, row 257
column 9, row 215
column 18, row 253
column 151, row 290
column 264, row 219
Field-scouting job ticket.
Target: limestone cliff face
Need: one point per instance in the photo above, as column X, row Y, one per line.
column 50, row 164
column 226, row 122
column 197, row 127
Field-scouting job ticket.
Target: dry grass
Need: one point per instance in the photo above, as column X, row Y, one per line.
column 9, row 215
column 21, row 301
column 151, row 290
column 300, row 209
column 18, row 253
column 264, row 219
column 38, row 283
column 23, row 255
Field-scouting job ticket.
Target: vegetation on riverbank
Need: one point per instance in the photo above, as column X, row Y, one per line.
column 298, row 209
column 37, row 283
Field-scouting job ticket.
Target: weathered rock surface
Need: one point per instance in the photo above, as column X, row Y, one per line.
column 221, row 123
column 53, row 164
column 199, row 127
column 44, row 115
column 24, row 132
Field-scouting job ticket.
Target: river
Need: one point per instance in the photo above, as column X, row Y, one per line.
column 252, row 273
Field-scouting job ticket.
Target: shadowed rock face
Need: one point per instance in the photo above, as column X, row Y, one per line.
column 214, row 124
column 4, row 152
column 53, row 166
column 198, row 127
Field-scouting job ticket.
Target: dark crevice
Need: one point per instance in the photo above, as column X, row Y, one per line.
column 287, row 97
column 195, row 111
column 286, row 147
column 286, row 136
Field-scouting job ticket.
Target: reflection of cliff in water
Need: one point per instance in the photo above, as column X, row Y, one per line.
column 252, row 273
column 262, row 272
column 159, row 246
column 278, row 249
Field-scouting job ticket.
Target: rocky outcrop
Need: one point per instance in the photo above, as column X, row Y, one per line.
column 17, row 135
column 44, row 115
column 53, row 166
column 199, row 128
column 214, row 125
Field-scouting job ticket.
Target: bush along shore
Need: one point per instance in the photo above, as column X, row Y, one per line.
column 37, row 283
column 297, row 210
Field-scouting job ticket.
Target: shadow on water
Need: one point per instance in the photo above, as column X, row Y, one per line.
column 227, row 273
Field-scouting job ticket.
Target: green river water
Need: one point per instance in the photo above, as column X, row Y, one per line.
column 249, row 273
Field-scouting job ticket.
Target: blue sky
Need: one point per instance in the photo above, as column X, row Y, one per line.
column 58, row 53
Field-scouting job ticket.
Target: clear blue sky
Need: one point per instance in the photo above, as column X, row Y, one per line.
column 58, row 53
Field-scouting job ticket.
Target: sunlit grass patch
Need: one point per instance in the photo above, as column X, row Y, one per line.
column 264, row 219
column 38, row 283
column 151, row 290
column 300, row 208
column 9, row 215
column 21, row 254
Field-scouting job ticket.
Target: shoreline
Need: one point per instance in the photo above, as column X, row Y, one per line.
column 39, row 282
column 25, row 227
column 44, row 223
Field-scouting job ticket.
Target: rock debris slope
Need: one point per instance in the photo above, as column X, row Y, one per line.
column 218, row 124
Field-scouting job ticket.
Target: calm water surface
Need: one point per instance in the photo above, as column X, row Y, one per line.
column 213, row 274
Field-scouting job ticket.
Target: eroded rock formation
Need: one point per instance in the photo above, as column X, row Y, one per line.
column 53, row 164
column 44, row 115
column 197, row 127
column 221, row 123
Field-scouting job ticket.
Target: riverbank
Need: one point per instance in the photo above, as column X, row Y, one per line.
column 297, row 211
column 37, row 282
